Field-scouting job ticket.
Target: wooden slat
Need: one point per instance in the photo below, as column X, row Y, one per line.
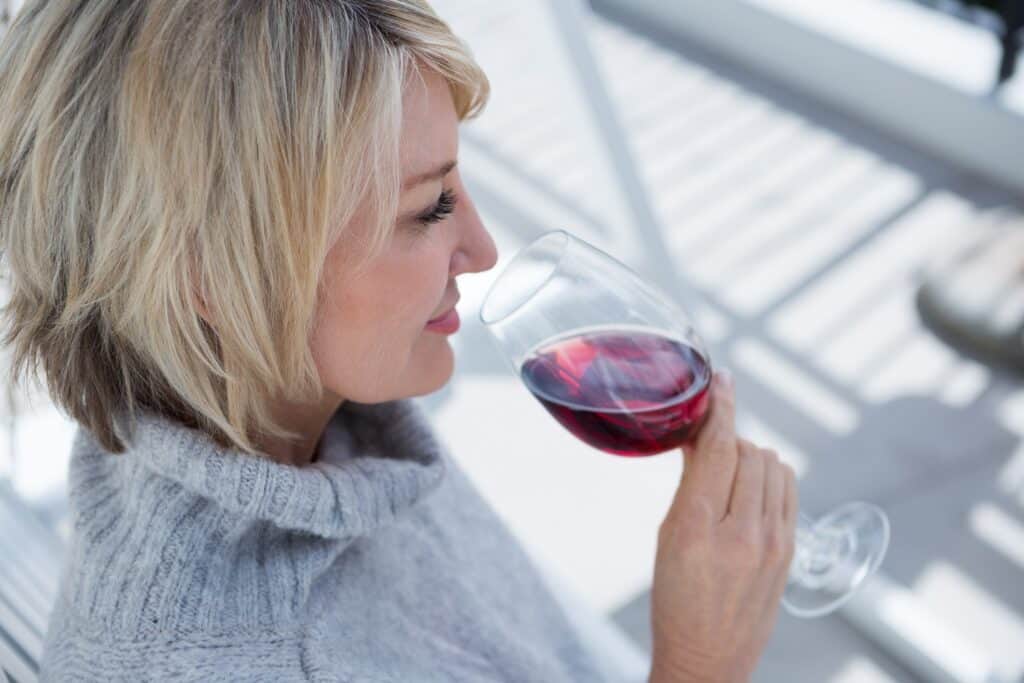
column 20, row 632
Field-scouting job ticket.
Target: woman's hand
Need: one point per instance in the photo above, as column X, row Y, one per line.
column 724, row 550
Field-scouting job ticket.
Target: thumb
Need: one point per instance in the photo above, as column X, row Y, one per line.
column 690, row 505
column 709, row 467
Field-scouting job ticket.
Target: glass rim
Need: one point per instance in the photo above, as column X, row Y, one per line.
column 565, row 239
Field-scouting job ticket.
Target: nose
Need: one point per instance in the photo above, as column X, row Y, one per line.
column 476, row 251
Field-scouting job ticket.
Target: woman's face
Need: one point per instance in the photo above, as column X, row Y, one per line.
column 370, row 341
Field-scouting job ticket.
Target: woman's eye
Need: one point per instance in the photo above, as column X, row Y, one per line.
column 444, row 207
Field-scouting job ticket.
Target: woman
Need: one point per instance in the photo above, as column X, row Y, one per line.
column 228, row 226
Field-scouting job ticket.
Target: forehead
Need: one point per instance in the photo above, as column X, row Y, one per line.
column 429, row 122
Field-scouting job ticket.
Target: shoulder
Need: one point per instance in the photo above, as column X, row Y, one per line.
column 149, row 559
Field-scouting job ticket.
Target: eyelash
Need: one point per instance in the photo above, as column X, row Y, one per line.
column 444, row 207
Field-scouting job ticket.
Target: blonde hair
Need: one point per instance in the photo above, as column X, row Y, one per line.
column 159, row 160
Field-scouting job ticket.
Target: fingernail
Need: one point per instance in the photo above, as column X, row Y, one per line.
column 725, row 376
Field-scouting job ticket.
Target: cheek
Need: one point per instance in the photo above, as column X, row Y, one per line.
column 369, row 335
column 364, row 343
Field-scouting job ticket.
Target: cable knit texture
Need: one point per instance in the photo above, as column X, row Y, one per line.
column 378, row 562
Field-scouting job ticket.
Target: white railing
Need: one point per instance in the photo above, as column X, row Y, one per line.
column 906, row 69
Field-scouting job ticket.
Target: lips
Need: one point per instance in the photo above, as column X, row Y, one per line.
column 446, row 312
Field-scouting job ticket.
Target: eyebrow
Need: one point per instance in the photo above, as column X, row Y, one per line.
column 439, row 172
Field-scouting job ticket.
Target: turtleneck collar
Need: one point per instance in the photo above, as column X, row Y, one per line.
column 373, row 461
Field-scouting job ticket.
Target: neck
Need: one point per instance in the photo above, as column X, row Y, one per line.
column 308, row 421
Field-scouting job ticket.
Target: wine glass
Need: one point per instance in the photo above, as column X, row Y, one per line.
column 616, row 362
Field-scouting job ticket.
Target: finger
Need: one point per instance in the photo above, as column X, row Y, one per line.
column 711, row 464
column 721, row 423
column 778, row 534
column 790, row 514
column 774, row 485
column 747, row 501
column 778, row 586
column 790, row 502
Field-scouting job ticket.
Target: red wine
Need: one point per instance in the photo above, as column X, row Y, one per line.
column 626, row 392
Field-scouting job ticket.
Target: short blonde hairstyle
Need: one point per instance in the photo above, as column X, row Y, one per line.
column 163, row 159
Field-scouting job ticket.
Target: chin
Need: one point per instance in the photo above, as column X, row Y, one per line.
column 435, row 372
column 428, row 369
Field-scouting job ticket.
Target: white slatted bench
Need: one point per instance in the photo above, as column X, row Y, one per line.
column 30, row 556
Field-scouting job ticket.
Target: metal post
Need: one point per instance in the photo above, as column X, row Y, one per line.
column 646, row 241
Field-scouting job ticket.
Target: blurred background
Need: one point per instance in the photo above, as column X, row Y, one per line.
column 835, row 191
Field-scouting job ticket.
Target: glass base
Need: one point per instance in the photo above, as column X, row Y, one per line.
column 833, row 558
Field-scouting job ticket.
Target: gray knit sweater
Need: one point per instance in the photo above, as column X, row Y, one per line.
column 378, row 562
